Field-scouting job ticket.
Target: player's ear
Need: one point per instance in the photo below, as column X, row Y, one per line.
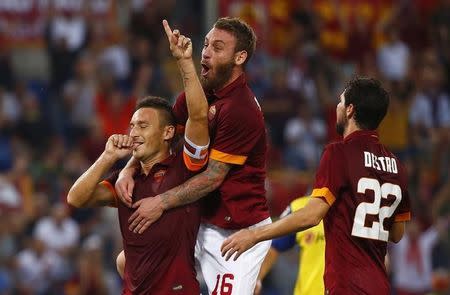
column 240, row 57
column 350, row 111
column 169, row 132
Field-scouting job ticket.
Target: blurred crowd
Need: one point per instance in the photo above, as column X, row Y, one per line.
column 62, row 97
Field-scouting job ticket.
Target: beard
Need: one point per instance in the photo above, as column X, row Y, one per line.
column 220, row 77
column 340, row 127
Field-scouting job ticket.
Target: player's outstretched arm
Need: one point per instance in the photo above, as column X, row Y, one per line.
column 197, row 124
column 87, row 190
column 197, row 105
column 299, row 220
column 192, row 190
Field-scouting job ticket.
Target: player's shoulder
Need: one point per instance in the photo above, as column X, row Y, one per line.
column 336, row 147
column 240, row 110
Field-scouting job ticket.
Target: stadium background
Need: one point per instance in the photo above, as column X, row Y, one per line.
column 71, row 71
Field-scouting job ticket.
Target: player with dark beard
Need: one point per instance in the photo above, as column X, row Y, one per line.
column 232, row 186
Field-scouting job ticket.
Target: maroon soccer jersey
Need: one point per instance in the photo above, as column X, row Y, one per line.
column 160, row 261
column 238, row 137
column 366, row 187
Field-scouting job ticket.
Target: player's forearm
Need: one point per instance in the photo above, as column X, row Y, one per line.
column 297, row 221
column 197, row 104
column 192, row 190
column 196, row 187
column 82, row 191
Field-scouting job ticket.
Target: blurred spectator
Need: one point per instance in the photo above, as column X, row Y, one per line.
column 6, row 73
column 430, row 110
column 38, row 269
column 393, row 57
column 299, row 77
column 89, row 278
column 93, row 144
column 67, row 35
column 278, row 104
column 304, row 136
column 58, row 231
column 394, row 129
column 33, row 127
column 440, row 34
column 115, row 57
column 114, row 109
column 10, row 108
column 79, row 96
column 10, row 198
column 411, row 258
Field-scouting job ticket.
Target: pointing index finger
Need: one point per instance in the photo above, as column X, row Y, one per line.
column 167, row 29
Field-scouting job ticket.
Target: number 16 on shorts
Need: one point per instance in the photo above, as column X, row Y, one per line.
column 224, row 284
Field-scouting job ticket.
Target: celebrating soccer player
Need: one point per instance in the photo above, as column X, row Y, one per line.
column 233, row 182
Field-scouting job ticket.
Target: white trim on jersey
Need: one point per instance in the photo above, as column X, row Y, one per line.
column 199, row 150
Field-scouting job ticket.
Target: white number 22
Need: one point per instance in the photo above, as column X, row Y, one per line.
column 376, row 231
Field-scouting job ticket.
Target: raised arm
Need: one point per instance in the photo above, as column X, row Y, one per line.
column 87, row 190
column 197, row 105
column 196, row 130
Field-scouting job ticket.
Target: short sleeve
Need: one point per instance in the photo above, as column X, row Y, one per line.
column 109, row 183
column 237, row 133
column 331, row 175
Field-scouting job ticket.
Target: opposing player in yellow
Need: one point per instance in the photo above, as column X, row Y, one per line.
column 311, row 259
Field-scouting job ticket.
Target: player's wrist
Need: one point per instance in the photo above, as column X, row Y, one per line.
column 109, row 156
column 163, row 202
column 186, row 64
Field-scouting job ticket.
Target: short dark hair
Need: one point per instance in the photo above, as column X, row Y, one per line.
column 369, row 99
column 245, row 36
column 164, row 108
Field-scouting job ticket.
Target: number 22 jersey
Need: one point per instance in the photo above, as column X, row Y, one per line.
column 366, row 188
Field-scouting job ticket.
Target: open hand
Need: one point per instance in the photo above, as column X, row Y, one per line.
column 238, row 243
column 180, row 45
column 148, row 210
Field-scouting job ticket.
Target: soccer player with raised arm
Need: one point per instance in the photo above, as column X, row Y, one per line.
column 232, row 186
column 361, row 194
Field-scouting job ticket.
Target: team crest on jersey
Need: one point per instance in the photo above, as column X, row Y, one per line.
column 212, row 112
column 159, row 174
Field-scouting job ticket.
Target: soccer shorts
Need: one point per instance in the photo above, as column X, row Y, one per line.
column 228, row 277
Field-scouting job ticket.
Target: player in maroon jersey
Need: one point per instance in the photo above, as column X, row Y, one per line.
column 361, row 194
column 160, row 261
column 234, row 179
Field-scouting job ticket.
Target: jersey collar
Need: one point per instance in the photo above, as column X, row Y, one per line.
column 362, row 133
column 238, row 82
